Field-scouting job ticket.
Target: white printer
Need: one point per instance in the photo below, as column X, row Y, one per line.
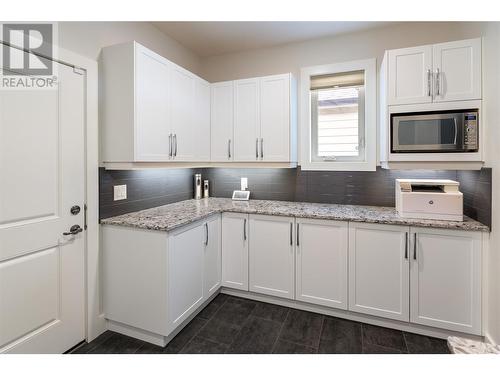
column 429, row 199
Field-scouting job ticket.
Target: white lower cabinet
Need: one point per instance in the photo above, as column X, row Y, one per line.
column 154, row 280
column 271, row 255
column 445, row 279
column 212, row 256
column 420, row 275
column 235, row 250
column 379, row 270
column 185, row 272
column 321, row 262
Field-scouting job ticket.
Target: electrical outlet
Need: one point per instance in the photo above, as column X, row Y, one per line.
column 120, row 192
column 244, row 183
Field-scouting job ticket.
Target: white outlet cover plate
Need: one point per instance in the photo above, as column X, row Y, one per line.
column 120, row 192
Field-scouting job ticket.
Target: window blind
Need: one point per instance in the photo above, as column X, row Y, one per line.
column 346, row 79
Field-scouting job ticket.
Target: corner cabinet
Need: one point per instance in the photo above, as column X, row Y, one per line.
column 154, row 281
column 151, row 109
column 254, row 120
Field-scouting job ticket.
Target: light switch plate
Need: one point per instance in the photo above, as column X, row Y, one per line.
column 244, row 183
column 120, row 192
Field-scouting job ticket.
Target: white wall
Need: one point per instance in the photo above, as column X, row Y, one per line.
column 87, row 39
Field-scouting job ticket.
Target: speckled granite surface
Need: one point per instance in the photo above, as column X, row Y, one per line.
column 175, row 215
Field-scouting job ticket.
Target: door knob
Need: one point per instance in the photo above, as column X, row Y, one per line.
column 75, row 229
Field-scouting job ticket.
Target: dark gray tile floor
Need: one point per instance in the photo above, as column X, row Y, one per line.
column 236, row 325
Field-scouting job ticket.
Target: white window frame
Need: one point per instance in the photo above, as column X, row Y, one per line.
column 369, row 162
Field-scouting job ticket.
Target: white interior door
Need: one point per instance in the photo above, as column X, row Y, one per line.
column 246, row 119
column 457, row 69
column 42, row 177
column 410, row 75
column 275, row 117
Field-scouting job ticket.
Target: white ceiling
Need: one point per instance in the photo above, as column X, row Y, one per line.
column 217, row 38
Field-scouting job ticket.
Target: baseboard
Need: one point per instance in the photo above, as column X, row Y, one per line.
column 350, row 315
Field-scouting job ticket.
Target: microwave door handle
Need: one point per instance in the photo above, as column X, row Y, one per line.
column 456, row 131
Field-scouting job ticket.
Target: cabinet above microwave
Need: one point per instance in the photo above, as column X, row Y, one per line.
column 430, row 80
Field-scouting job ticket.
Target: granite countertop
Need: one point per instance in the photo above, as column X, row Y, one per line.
column 175, row 215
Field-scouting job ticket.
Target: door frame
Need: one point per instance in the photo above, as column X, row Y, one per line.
column 94, row 317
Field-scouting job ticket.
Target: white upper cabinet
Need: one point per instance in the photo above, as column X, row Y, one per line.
column 222, row 120
column 152, row 106
column 445, row 286
column 151, row 110
column 379, row 270
column 246, row 119
column 442, row 72
column 275, row 118
column 201, row 125
column 321, row 262
column 260, row 113
column 410, row 75
column 271, row 256
column 457, row 68
column 182, row 111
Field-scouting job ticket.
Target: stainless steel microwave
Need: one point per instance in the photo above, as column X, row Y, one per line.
column 444, row 131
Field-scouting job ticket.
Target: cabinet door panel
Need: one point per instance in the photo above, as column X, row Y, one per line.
column 409, row 79
column 275, row 117
column 235, row 251
column 152, row 126
column 212, row 256
column 222, row 119
column 271, row 255
column 445, row 279
column 246, row 119
column 379, row 270
column 201, row 134
column 185, row 273
column 182, row 109
column 459, row 66
column 322, row 262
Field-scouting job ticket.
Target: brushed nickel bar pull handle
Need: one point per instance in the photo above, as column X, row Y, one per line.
column 244, row 229
column 414, row 246
column 291, row 234
column 256, row 148
column 229, row 149
column 175, row 145
column 170, row 145
column 406, row 245
column 428, row 82
column 206, row 234
column 438, row 84
column 298, row 237
column 262, row 148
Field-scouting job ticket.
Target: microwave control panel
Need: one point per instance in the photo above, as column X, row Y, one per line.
column 470, row 131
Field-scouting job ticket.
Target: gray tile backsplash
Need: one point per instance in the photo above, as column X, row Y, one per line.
column 149, row 188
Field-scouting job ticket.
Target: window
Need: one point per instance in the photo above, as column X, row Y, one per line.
column 339, row 117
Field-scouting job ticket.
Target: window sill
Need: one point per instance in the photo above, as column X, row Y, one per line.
column 338, row 166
